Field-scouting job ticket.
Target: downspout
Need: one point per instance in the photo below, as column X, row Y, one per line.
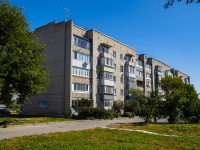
column 64, row 79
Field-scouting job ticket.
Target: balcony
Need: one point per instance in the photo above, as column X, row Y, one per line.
column 130, row 85
column 106, row 68
column 107, row 96
column 129, row 63
column 106, row 55
column 107, row 60
column 139, row 78
column 140, row 85
column 141, row 88
column 168, row 73
column 158, row 70
column 186, row 81
column 107, row 82
column 128, row 74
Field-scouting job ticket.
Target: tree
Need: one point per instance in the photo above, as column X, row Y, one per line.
column 174, row 95
column 145, row 107
column 118, row 106
column 181, row 100
column 171, row 2
column 133, row 105
column 190, row 107
column 21, row 64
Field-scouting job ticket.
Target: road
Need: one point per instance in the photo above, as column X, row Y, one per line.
column 25, row 130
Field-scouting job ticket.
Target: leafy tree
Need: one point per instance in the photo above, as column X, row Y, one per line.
column 181, row 100
column 174, row 97
column 21, row 64
column 118, row 106
column 191, row 104
column 146, row 107
column 133, row 105
column 156, row 103
column 171, row 2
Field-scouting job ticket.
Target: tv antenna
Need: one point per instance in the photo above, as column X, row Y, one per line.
column 67, row 13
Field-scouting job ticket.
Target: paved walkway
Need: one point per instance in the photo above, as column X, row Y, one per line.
column 25, row 130
column 143, row 131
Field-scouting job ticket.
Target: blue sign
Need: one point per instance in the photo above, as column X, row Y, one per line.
column 43, row 105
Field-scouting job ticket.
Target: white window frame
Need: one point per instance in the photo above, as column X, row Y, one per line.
column 148, row 75
column 139, row 63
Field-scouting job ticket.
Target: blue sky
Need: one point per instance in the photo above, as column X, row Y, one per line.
column 169, row 35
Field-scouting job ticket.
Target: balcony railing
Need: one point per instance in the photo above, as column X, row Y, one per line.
column 106, row 55
column 107, row 82
column 130, row 63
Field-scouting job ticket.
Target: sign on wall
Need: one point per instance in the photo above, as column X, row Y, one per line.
column 43, row 105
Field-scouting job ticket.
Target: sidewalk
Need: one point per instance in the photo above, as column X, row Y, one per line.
column 25, row 130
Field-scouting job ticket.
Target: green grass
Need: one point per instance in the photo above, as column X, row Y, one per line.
column 100, row 139
column 20, row 120
column 169, row 129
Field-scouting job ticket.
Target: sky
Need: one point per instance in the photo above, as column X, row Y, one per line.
column 169, row 35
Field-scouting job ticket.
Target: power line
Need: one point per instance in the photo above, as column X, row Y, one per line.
column 160, row 46
column 171, row 59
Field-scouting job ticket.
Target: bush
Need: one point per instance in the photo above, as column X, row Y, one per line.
column 129, row 114
column 118, row 106
column 94, row 113
column 193, row 119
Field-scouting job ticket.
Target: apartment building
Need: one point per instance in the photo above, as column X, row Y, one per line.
column 89, row 64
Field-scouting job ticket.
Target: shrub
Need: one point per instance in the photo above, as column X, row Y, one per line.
column 193, row 119
column 118, row 106
column 129, row 114
column 94, row 113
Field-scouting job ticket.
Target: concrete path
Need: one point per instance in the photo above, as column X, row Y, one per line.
column 25, row 130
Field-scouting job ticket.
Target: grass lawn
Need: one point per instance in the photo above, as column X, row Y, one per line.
column 20, row 120
column 100, row 139
column 169, row 129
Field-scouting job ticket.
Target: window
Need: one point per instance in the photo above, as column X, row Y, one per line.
column 148, row 84
column 122, row 92
column 109, row 62
column 148, row 94
column 108, row 103
column 128, row 58
column 115, row 66
column 98, row 76
column 115, row 91
column 114, row 54
column 80, row 72
column 148, row 66
column 139, row 73
column 168, row 73
column 82, row 42
column 121, row 57
column 148, row 75
column 107, row 89
column 186, row 80
column 132, row 80
column 107, row 75
column 98, row 89
column 159, row 77
column 81, row 56
column 80, row 87
column 122, row 80
column 159, row 69
column 139, row 63
column 121, row 68
column 105, row 50
column 130, row 69
column 114, row 79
